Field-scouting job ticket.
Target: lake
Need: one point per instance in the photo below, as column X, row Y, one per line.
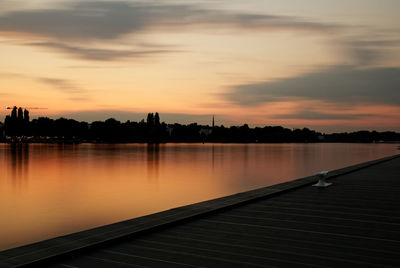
column 51, row 190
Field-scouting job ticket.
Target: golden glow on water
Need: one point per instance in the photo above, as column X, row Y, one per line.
column 50, row 190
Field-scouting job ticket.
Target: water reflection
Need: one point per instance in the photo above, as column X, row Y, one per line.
column 67, row 188
column 213, row 156
column 153, row 160
column 18, row 160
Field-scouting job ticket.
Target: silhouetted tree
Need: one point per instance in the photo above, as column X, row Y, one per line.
column 43, row 127
column 16, row 124
column 26, row 115
column 150, row 120
column 153, row 131
column 20, row 114
column 14, row 113
column 157, row 120
column 1, row 131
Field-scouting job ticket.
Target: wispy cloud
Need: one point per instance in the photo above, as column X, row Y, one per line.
column 112, row 19
column 73, row 91
column 66, row 86
column 101, row 54
column 75, row 28
column 314, row 115
column 369, row 51
column 340, row 84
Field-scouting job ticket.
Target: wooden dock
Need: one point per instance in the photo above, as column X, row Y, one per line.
column 355, row 222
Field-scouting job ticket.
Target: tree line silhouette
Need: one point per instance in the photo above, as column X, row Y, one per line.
column 18, row 127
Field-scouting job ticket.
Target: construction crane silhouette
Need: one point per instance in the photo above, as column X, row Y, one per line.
column 35, row 108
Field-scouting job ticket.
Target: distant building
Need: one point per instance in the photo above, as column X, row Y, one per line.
column 169, row 130
column 205, row 131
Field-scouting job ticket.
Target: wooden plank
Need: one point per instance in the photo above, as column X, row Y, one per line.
column 320, row 248
column 332, row 238
column 310, row 211
column 197, row 256
column 326, row 220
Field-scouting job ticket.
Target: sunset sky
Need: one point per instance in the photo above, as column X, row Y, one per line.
column 327, row 65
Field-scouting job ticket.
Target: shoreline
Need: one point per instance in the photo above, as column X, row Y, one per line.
column 77, row 142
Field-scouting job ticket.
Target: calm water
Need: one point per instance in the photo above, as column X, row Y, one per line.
column 50, row 190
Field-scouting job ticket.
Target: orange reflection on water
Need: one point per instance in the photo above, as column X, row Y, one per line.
column 50, row 190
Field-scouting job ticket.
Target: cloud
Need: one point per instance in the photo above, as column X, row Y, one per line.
column 66, row 86
column 108, row 20
column 100, row 54
column 74, row 28
column 340, row 84
column 313, row 115
column 79, row 21
column 368, row 51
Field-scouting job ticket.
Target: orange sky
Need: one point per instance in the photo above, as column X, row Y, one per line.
column 317, row 64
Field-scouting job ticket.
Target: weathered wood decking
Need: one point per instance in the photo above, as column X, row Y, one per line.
column 354, row 222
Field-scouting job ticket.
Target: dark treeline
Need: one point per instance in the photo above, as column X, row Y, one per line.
column 18, row 127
